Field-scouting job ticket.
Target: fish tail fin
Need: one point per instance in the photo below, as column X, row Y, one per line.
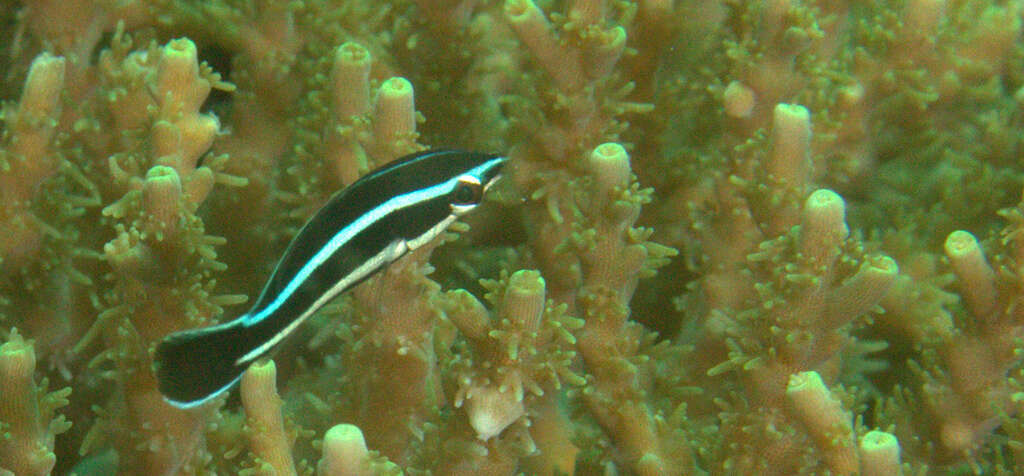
column 196, row 365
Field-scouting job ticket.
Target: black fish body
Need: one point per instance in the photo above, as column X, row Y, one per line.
column 363, row 228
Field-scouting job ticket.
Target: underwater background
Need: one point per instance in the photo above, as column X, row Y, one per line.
column 733, row 237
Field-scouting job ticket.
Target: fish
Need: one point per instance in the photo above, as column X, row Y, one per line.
column 359, row 231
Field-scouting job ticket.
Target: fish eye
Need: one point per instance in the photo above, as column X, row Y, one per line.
column 468, row 191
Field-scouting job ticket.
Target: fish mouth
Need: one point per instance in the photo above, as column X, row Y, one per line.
column 493, row 174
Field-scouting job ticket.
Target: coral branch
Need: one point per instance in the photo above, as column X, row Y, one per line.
column 398, row 340
column 345, row 453
column 830, row 426
column 615, row 255
column 521, row 357
column 532, row 27
column 350, row 104
column 34, row 123
column 26, row 158
column 350, row 80
column 791, row 137
column 28, row 425
column 394, row 119
column 269, row 440
column 823, row 228
column 160, row 249
column 879, row 454
column 978, row 286
column 862, row 292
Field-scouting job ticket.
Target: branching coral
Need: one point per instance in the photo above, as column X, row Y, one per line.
column 27, row 412
column 732, row 237
column 160, row 252
column 28, row 157
column 270, row 443
column 780, row 307
column 972, row 391
column 520, row 357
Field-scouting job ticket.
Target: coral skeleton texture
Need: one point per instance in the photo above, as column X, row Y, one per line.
column 732, row 237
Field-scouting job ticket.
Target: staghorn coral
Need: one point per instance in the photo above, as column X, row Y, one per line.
column 734, row 237
column 27, row 411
